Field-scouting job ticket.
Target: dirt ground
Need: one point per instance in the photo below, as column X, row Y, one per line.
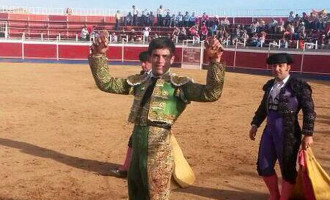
column 60, row 135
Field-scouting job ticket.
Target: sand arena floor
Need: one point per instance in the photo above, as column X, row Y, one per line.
column 60, row 135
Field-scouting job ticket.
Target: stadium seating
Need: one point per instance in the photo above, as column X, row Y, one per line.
column 69, row 26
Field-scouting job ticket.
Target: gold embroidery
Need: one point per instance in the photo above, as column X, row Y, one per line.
column 136, row 79
column 160, row 163
column 179, row 80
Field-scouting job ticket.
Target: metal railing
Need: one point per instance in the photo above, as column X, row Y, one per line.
column 4, row 28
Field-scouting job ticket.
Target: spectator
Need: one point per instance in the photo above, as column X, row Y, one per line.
column 167, row 20
column 317, row 22
column 114, row 38
column 84, row 34
column 305, row 19
column 215, row 20
column 244, row 37
column 132, row 36
column 183, row 33
column 204, row 31
column 254, row 39
column 90, row 29
column 129, row 19
column 235, row 40
column 135, row 13
column 221, row 35
column 214, row 29
column 198, row 21
column 291, row 17
column 323, row 41
column 151, row 19
column 68, row 11
column 160, row 13
column 261, row 39
column 297, row 20
column 179, row 19
column 143, row 18
column 272, row 25
column 262, row 25
column 238, row 31
column 193, row 31
column 289, row 31
column 254, row 26
column 226, row 23
column 302, row 30
column 172, row 21
column 186, row 19
column 226, row 38
column 117, row 17
column 323, row 19
column 146, row 33
column 280, row 27
column 205, row 19
column 93, row 33
column 192, row 20
column 175, row 33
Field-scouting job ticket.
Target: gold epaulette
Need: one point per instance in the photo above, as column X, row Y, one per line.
column 136, row 79
column 180, row 80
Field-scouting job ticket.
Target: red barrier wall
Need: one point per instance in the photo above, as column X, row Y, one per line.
column 73, row 52
column 11, row 50
column 132, row 53
column 114, row 53
column 295, row 66
column 178, row 55
column 316, row 64
column 40, row 51
column 313, row 62
column 251, row 60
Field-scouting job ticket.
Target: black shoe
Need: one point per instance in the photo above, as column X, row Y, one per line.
column 119, row 173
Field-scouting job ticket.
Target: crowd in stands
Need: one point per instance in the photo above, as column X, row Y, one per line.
column 290, row 32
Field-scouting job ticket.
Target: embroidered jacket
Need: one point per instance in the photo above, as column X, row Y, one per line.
column 169, row 98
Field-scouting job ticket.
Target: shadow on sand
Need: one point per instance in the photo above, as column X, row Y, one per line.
column 101, row 168
column 220, row 194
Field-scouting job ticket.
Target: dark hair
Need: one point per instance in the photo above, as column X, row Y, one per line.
column 144, row 56
column 278, row 58
column 161, row 43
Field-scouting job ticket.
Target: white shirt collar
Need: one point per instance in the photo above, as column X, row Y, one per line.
column 283, row 82
column 148, row 72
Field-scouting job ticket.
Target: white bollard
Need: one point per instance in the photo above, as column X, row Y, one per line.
column 316, row 44
column 297, row 46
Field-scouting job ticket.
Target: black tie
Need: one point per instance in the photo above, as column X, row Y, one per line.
column 149, row 91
